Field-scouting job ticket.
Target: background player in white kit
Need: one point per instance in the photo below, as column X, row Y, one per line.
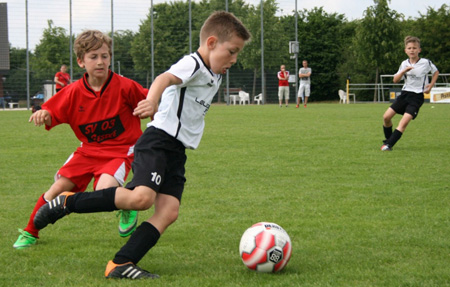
column 414, row 71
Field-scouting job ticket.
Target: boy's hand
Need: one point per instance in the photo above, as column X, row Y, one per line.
column 409, row 68
column 41, row 117
column 427, row 89
column 145, row 109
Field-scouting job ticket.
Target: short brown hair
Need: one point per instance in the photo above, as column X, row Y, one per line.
column 223, row 25
column 411, row 39
column 91, row 40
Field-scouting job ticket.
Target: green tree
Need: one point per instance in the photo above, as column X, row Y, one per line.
column 320, row 43
column 434, row 33
column 171, row 37
column 250, row 58
column 52, row 51
column 123, row 59
column 15, row 83
column 378, row 40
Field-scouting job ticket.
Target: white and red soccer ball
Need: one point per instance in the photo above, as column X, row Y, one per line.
column 265, row 247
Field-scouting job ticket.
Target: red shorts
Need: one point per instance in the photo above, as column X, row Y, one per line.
column 80, row 169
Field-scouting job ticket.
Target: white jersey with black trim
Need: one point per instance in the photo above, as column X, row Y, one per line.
column 417, row 78
column 183, row 107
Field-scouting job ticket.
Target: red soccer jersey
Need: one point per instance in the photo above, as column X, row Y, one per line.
column 103, row 121
column 283, row 83
column 62, row 77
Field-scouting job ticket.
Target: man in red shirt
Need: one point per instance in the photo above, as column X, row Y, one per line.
column 99, row 109
column 62, row 78
column 283, row 85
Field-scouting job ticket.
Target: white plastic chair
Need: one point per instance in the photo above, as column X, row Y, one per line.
column 244, row 97
column 233, row 99
column 343, row 96
column 258, row 99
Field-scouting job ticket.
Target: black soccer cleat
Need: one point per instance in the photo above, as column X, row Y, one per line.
column 52, row 211
column 386, row 147
column 127, row 271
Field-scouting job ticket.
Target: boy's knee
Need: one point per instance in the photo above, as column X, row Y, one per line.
column 143, row 199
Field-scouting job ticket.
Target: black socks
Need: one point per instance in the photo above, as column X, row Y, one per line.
column 140, row 242
column 392, row 140
column 96, row 201
column 387, row 132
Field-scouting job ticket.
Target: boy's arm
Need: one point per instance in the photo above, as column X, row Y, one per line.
column 399, row 76
column 433, row 81
column 148, row 107
column 56, row 80
column 41, row 117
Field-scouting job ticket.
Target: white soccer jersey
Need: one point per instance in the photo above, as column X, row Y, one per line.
column 417, row 78
column 183, row 107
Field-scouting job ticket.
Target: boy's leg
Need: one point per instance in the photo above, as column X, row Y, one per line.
column 390, row 142
column 127, row 218
column 147, row 234
column 31, row 233
column 83, row 202
column 398, row 132
column 387, row 123
column 387, row 133
column 406, row 119
column 110, row 199
column 387, row 117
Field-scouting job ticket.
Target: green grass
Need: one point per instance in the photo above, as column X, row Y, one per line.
column 356, row 216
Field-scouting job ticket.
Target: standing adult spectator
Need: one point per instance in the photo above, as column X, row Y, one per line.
column 283, row 85
column 62, row 78
column 305, row 84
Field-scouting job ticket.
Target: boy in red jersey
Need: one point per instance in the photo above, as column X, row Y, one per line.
column 99, row 108
column 62, row 78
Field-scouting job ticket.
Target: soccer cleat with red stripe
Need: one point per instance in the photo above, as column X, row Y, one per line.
column 127, row 271
column 52, row 211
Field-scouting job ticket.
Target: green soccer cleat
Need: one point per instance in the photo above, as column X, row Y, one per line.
column 25, row 240
column 127, row 222
column 127, row 271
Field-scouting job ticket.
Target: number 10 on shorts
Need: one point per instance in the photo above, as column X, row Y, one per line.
column 156, row 178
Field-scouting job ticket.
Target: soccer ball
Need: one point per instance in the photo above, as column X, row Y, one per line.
column 265, row 247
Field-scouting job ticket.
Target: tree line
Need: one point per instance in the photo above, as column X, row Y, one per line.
column 336, row 49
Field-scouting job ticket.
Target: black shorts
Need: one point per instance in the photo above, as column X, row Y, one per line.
column 408, row 102
column 159, row 161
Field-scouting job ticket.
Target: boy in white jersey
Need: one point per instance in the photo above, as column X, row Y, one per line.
column 415, row 73
column 186, row 91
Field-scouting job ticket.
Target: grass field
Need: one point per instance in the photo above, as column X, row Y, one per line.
column 356, row 216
